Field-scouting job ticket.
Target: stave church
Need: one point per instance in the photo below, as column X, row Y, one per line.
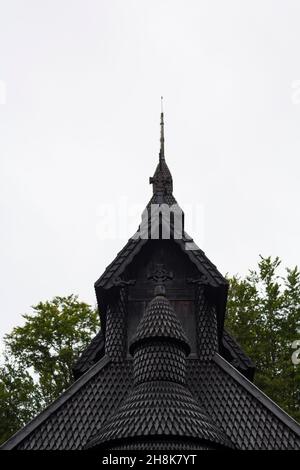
column 162, row 373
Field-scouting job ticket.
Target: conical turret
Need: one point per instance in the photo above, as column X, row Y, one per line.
column 159, row 412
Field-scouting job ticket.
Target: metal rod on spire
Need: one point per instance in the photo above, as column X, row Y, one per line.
column 162, row 137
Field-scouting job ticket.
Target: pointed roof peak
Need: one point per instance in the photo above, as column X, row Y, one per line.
column 160, row 323
column 162, row 178
column 162, row 136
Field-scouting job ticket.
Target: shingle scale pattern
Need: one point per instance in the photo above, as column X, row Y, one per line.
column 249, row 423
column 160, row 362
column 160, row 409
column 206, row 324
column 84, row 413
column 115, row 337
column 159, row 321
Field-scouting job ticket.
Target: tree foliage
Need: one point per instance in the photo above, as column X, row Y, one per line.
column 263, row 314
column 38, row 358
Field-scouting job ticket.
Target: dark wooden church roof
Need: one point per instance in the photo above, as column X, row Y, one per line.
column 162, row 373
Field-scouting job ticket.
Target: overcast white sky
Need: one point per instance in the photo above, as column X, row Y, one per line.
column 80, row 86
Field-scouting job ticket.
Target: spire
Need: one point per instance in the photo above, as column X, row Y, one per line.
column 162, row 178
column 162, row 136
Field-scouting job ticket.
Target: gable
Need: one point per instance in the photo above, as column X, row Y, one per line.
column 120, row 271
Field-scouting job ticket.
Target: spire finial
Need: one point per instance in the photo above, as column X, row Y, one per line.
column 162, row 137
column 162, row 178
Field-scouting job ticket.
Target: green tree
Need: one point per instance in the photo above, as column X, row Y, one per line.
column 263, row 314
column 20, row 399
column 38, row 358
